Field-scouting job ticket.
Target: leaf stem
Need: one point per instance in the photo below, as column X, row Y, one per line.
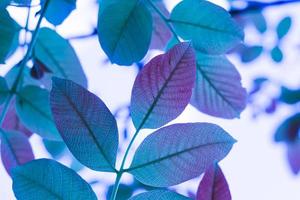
column 166, row 20
column 24, row 61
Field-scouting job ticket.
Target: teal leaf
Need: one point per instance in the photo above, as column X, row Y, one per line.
column 218, row 91
column 283, row 27
column 289, row 96
column 210, row 27
column 15, row 149
column 213, row 185
column 159, row 195
column 163, row 88
column 86, row 125
column 288, row 130
column 33, row 108
column 59, row 10
column 9, row 33
column 259, row 21
column 124, row 192
column 250, row 53
column 48, row 179
column 58, row 56
column 276, row 54
column 4, row 91
column 124, row 30
column 179, row 152
column 55, row 148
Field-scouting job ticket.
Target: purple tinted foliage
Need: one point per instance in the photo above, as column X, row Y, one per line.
column 288, row 131
column 293, row 153
column 213, row 185
column 15, row 149
column 163, row 88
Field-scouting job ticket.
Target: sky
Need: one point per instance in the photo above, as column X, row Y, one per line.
column 256, row 168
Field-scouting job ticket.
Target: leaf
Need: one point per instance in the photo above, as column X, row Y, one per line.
column 55, row 148
column 33, row 108
column 124, row 192
column 210, row 27
column 163, row 88
column 15, row 149
column 86, row 125
column 124, row 30
column 12, row 122
column 289, row 96
column 184, row 150
column 4, row 91
column 259, row 21
column 293, row 151
column 250, row 53
column 283, row 27
column 276, row 54
column 50, row 180
column 59, row 10
column 58, row 56
column 218, row 91
column 159, row 195
column 288, row 131
column 213, row 185
column 9, row 32
column 161, row 34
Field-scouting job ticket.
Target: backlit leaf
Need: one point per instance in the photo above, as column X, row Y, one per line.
column 218, row 91
column 163, row 88
column 15, row 149
column 210, row 27
column 50, row 180
column 159, row 195
column 213, row 185
column 58, row 56
column 85, row 124
column 59, row 10
column 179, row 152
column 124, row 30
column 33, row 108
column 9, row 33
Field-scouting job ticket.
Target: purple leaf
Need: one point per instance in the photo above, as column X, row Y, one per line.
column 218, row 90
column 293, row 155
column 161, row 34
column 179, row 152
column 163, row 88
column 12, row 121
column 15, row 149
column 213, row 185
column 86, row 125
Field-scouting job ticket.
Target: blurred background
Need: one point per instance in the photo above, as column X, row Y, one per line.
column 264, row 163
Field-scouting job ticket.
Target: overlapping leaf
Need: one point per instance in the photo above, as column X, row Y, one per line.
column 124, row 30
column 163, row 88
column 58, row 56
column 59, row 10
column 179, row 152
column 218, row 90
column 15, row 149
column 9, row 33
column 85, row 124
column 213, row 185
column 210, row 27
column 33, row 108
column 159, row 195
column 4, row 91
column 48, row 179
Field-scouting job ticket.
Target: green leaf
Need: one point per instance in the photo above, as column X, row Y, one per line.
column 58, row 56
column 276, row 54
column 33, row 108
column 4, row 91
column 210, row 27
column 59, row 10
column 9, row 33
column 283, row 27
column 159, row 195
column 86, row 125
column 218, row 90
column 179, row 152
column 124, row 30
column 48, row 179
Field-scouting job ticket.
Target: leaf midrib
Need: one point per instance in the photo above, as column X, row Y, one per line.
column 10, row 146
column 174, row 155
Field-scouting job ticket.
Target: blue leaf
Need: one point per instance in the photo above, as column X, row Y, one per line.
column 159, row 195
